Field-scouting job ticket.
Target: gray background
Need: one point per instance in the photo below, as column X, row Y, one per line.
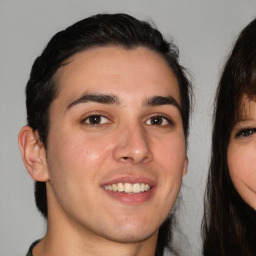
column 203, row 30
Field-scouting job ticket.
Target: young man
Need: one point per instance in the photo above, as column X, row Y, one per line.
column 108, row 111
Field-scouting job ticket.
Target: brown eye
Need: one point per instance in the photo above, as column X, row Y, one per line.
column 95, row 120
column 158, row 120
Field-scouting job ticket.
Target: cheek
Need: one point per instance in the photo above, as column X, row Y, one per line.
column 76, row 154
column 74, row 163
column 171, row 154
column 242, row 166
column 171, row 157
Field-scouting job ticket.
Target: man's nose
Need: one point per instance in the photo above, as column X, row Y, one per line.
column 133, row 145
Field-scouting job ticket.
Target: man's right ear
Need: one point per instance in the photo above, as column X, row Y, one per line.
column 33, row 154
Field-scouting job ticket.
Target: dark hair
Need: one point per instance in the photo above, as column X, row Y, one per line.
column 229, row 224
column 100, row 30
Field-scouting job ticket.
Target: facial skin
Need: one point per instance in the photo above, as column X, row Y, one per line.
column 242, row 153
column 116, row 119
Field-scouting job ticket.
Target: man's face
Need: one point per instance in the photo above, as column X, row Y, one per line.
column 115, row 125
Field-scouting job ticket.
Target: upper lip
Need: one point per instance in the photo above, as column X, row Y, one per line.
column 131, row 179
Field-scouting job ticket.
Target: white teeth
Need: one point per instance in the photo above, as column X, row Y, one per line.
column 120, row 187
column 128, row 187
column 136, row 188
column 114, row 187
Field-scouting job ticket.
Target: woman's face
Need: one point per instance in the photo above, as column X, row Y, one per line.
column 241, row 155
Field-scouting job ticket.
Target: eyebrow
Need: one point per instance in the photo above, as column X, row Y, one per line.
column 161, row 100
column 99, row 98
column 242, row 120
column 112, row 99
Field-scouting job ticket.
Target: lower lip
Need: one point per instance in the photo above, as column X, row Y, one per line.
column 137, row 198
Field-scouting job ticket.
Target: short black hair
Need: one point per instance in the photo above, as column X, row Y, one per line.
column 99, row 30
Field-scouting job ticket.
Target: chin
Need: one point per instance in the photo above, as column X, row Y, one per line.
column 131, row 235
column 251, row 203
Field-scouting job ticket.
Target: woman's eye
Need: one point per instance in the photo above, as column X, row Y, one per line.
column 158, row 120
column 245, row 133
column 95, row 120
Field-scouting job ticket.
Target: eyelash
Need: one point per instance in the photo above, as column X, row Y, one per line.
column 244, row 133
column 89, row 120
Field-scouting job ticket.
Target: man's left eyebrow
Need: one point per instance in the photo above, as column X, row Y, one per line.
column 99, row 98
column 161, row 100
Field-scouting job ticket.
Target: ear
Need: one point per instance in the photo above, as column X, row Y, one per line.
column 185, row 167
column 33, row 154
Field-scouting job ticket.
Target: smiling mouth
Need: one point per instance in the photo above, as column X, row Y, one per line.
column 128, row 187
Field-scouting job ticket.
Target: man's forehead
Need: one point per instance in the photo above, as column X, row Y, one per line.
column 112, row 61
column 96, row 54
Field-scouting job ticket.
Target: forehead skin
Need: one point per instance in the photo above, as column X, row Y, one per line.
column 114, row 67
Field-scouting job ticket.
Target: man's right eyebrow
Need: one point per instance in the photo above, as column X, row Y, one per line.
column 98, row 98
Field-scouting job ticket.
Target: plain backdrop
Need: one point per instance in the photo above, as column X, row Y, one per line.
column 204, row 32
